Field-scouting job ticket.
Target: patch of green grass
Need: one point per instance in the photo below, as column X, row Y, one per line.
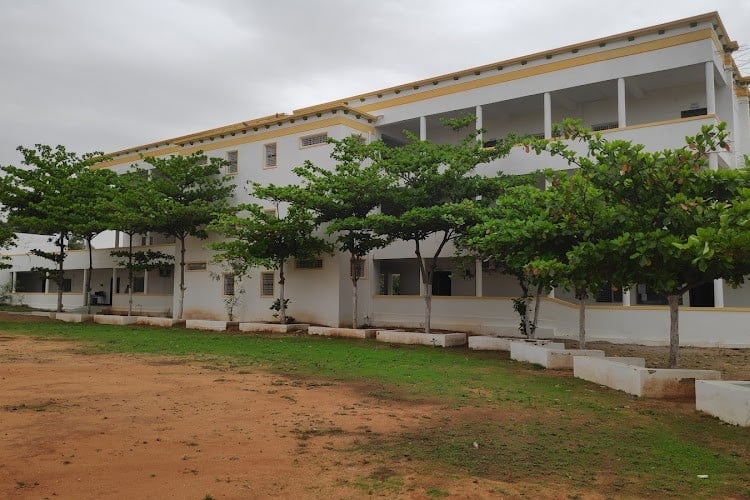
column 16, row 308
column 526, row 423
column 35, row 406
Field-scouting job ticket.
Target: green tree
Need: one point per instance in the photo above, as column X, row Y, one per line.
column 671, row 205
column 132, row 213
column 512, row 233
column 255, row 237
column 434, row 193
column 187, row 193
column 7, row 240
column 94, row 190
column 577, row 256
column 341, row 200
column 42, row 197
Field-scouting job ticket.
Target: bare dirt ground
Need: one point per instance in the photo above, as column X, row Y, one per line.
column 80, row 425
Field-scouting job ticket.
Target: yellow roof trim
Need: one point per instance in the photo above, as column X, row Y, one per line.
column 710, row 16
column 244, row 139
column 672, row 41
column 277, row 119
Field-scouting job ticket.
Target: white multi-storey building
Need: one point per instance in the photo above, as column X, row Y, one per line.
column 652, row 86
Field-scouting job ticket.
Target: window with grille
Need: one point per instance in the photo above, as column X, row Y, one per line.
column 693, row 112
column 229, row 284
column 232, row 158
column 196, row 266
column 313, row 140
column 308, row 263
column 270, row 155
column 598, row 127
column 267, row 284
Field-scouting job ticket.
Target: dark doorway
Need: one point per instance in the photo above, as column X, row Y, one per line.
column 702, row 296
column 441, row 283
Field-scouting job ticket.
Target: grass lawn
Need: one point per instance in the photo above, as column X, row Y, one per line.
column 518, row 422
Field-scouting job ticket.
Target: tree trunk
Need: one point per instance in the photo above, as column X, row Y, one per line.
column 354, row 301
column 582, row 323
column 674, row 332
column 181, row 303
column 88, row 277
column 537, row 304
column 282, row 302
column 60, row 274
column 428, row 308
column 130, row 275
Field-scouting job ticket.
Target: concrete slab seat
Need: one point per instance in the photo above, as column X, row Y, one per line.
column 111, row 319
column 727, row 400
column 630, row 376
column 486, row 343
column 206, row 325
column 74, row 317
column 419, row 338
column 157, row 321
column 352, row 333
column 273, row 328
column 552, row 356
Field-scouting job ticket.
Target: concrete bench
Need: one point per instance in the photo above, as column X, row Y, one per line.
column 206, row 325
column 158, row 321
column 74, row 317
column 273, row 328
column 419, row 338
column 486, row 343
column 633, row 378
column 352, row 333
column 727, row 400
column 111, row 319
column 552, row 356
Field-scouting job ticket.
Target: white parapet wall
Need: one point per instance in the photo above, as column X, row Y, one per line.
column 206, row 325
column 110, row 319
column 353, row 333
column 157, row 321
column 728, row 400
column 418, row 338
column 273, row 327
column 626, row 375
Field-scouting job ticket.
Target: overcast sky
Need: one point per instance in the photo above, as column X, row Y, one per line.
column 103, row 75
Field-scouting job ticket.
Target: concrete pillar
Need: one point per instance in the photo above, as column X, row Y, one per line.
column 719, row 293
column 114, row 284
column 46, row 285
column 479, row 124
column 13, row 282
column 710, row 89
column 547, row 115
column 117, row 239
column 621, row 114
column 478, row 282
column 713, row 161
column 422, row 128
column 145, row 282
column 626, row 297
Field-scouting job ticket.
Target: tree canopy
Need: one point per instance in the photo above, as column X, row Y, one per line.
column 186, row 193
